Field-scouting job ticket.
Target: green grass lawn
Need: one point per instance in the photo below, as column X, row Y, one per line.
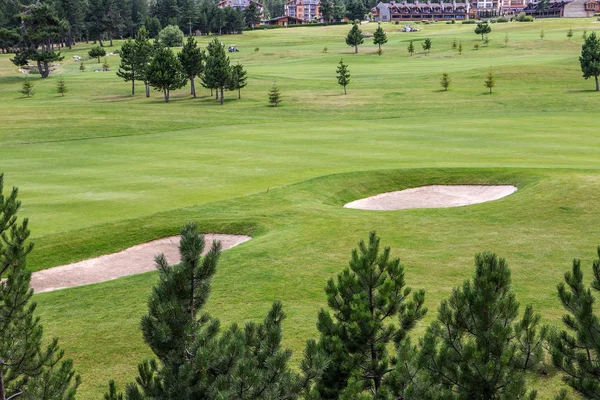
column 100, row 170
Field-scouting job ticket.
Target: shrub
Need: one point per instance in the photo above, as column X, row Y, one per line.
column 522, row 17
column 502, row 19
column 469, row 22
column 171, row 36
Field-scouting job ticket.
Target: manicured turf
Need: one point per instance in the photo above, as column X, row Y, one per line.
column 100, row 170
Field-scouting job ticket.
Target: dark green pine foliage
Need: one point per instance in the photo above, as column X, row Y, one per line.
column 379, row 37
column 477, row 348
column 252, row 15
column 371, row 311
column 128, row 66
column 483, row 28
column 590, row 58
column 165, row 73
column 144, row 51
column 192, row 62
column 97, row 52
column 217, row 70
column 576, row 351
column 426, row 45
column 411, row 48
column 343, row 75
column 354, row 37
column 196, row 361
column 29, row 369
column 237, row 79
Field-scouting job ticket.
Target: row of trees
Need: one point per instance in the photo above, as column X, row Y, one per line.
column 478, row 347
column 157, row 66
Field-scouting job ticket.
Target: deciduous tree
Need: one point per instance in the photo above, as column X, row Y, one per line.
column 171, row 36
column 590, row 58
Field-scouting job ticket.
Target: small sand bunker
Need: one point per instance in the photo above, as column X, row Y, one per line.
column 434, row 196
column 134, row 260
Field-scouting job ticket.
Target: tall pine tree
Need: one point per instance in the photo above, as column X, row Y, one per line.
column 216, row 71
column 192, row 62
column 354, row 37
column 379, row 37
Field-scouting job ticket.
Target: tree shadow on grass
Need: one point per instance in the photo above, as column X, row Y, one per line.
column 581, row 91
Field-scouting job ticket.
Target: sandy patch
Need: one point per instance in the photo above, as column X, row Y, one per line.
column 434, row 196
column 134, row 260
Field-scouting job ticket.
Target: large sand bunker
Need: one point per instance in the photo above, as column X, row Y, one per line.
column 434, row 196
column 134, row 260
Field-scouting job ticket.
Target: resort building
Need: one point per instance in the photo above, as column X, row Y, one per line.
column 306, row 10
column 241, row 4
column 417, row 11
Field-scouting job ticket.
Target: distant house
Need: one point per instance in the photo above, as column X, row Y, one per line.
column 486, row 8
column 404, row 11
column 513, row 7
column 562, row 8
column 241, row 4
column 306, row 10
column 284, row 21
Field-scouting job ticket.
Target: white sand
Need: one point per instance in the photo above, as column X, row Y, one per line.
column 434, row 196
column 134, row 260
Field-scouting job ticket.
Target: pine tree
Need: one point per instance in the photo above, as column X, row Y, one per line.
column 542, row 34
column 30, row 366
column 576, row 350
column 570, row 33
column 490, row 81
column 584, row 35
column 379, row 37
column 590, row 58
column 274, row 96
column 128, row 65
column 343, row 75
column 477, row 348
column 354, row 37
column 197, row 360
column 144, row 51
column 165, row 73
column 426, row 45
column 27, row 88
column 97, row 52
column 61, row 87
column 506, row 40
column 445, row 81
column 411, row 48
column 460, row 48
column 483, row 28
column 82, row 66
column 217, row 70
column 365, row 299
column 252, row 15
column 237, row 79
column 454, row 44
column 192, row 62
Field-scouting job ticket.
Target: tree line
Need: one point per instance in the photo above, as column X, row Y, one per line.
column 480, row 345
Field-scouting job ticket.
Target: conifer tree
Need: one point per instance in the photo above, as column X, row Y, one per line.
column 506, row 40
column 460, row 48
column 542, row 34
column 483, row 28
column 82, row 66
column 454, row 44
column 27, row 88
column 144, row 51
column 252, row 15
column 97, row 52
column 570, row 33
column 61, row 87
column 490, row 81
column 477, row 348
column 411, row 48
column 30, row 366
column 343, row 75
column 426, row 45
column 365, row 299
column 127, row 68
column 590, row 58
column 192, row 62
column 379, row 37
column 165, row 73
column 576, row 351
column 445, row 81
column 354, row 37
column 197, row 360
column 217, row 70
column 274, row 96
column 237, row 79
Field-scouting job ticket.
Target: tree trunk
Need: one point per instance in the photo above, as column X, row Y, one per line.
column 217, row 94
column 193, row 87
column 166, row 93
column 597, row 87
column 355, row 49
column 44, row 69
column 222, row 95
column 133, row 87
column 239, row 93
column 147, row 89
column 344, row 89
column 98, row 59
column 2, row 394
column 100, row 43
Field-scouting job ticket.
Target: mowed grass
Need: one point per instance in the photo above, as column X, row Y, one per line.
column 100, row 170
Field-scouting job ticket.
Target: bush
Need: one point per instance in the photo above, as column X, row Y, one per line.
column 522, row 17
column 171, row 36
column 469, row 22
column 502, row 19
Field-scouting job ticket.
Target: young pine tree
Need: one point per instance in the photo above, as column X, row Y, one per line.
column 343, row 75
column 477, row 348
column 490, row 81
column 354, row 37
column 379, row 37
column 454, row 44
column 217, row 70
column 542, row 34
column 82, row 66
column 372, row 309
column 196, row 359
column 237, row 79
column 506, row 40
column 274, row 96
column 165, row 73
column 590, row 58
column 61, row 87
column 460, row 48
column 27, row 88
column 411, row 48
column 192, row 62
column 445, row 81
column 97, row 52
column 584, row 35
column 576, row 351
column 570, row 33
column 31, row 367
column 426, row 45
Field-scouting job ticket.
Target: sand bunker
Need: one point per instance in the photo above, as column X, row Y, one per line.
column 434, row 196
column 134, row 260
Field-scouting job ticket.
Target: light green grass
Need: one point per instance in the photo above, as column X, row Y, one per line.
column 100, row 170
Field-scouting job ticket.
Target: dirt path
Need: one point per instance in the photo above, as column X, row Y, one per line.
column 434, row 196
column 134, row 260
